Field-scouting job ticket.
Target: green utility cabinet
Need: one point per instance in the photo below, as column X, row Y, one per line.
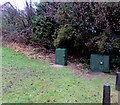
column 61, row 56
column 99, row 62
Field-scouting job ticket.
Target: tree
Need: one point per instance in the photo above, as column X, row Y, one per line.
column 95, row 24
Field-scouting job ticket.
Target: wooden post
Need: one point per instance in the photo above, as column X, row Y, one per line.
column 117, row 86
column 106, row 94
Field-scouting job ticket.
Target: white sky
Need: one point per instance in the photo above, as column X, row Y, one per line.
column 19, row 3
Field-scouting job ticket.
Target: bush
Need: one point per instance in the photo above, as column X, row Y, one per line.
column 43, row 29
column 64, row 37
column 115, row 61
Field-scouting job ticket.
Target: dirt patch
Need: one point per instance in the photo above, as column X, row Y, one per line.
column 92, row 75
column 32, row 52
column 56, row 66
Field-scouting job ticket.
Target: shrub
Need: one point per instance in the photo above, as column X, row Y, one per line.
column 64, row 37
column 43, row 29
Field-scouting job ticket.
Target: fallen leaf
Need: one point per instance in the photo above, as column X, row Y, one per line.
column 48, row 100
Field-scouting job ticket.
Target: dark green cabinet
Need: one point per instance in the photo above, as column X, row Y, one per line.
column 99, row 62
column 61, row 56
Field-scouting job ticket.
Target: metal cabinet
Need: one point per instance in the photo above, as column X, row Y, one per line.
column 61, row 56
column 99, row 62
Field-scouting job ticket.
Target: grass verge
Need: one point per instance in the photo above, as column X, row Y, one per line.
column 34, row 81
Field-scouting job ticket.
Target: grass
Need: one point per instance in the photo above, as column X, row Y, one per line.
column 34, row 81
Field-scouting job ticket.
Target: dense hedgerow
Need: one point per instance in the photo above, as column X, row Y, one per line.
column 74, row 25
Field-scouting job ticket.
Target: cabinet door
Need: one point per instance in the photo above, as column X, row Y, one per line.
column 61, row 56
column 106, row 64
column 58, row 57
column 99, row 63
column 94, row 62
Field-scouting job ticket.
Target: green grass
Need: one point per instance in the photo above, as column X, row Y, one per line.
column 34, row 81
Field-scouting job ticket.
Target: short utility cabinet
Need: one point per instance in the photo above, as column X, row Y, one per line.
column 61, row 56
column 99, row 62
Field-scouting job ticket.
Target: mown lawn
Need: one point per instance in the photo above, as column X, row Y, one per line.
column 34, row 81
